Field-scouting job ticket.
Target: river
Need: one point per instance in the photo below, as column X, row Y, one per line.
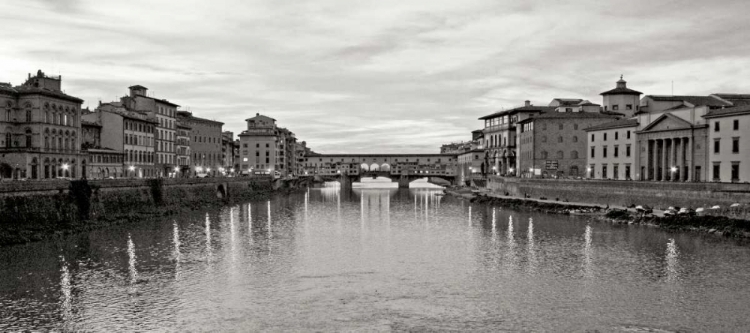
column 328, row 259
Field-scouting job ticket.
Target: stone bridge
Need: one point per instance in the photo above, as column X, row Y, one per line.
column 403, row 181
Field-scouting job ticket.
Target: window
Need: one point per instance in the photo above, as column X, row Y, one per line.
column 627, row 151
column 604, row 171
column 716, row 145
column 615, row 169
column 605, row 137
column 592, row 137
column 617, row 134
column 716, row 126
column 628, row 106
column 568, row 110
column 575, row 138
column 593, row 149
column 735, row 145
column 575, row 126
column 627, row 171
column 717, row 169
column 736, row 124
column 604, row 151
column 544, row 138
column 574, row 154
column 735, row 171
column 615, row 107
column 617, row 151
column 561, row 127
column 559, row 139
column 628, row 135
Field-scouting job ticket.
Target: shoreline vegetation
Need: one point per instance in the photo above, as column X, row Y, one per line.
column 26, row 219
column 718, row 225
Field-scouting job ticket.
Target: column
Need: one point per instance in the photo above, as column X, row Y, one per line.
column 689, row 159
column 663, row 160
column 655, row 160
column 678, row 159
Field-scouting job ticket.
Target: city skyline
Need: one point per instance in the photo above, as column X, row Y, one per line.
column 374, row 78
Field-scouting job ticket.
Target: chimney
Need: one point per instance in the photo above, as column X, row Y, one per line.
column 527, row 103
column 257, row 114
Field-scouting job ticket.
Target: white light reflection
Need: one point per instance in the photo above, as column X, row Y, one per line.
column 209, row 251
column 65, row 287
column 587, row 252
column 232, row 234
column 176, row 252
column 249, row 223
column 270, row 234
column 512, row 257
column 531, row 246
column 672, row 259
column 494, row 226
column 131, row 261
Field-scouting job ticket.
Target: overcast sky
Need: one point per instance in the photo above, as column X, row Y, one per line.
column 375, row 76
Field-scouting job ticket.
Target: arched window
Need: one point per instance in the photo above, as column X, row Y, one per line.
column 28, row 116
column 46, row 117
column 28, row 137
column 364, row 166
column 544, row 155
column 560, row 154
column 574, row 154
column 8, row 138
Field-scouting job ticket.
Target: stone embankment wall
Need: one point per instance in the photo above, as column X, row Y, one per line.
column 34, row 210
column 624, row 193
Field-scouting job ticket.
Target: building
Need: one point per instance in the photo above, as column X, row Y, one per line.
column 40, row 130
column 259, row 145
column 621, row 99
column 236, row 158
column 131, row 133
column 300, row 151
column 205, row 144
column 227, row 150
column 182, row 148
column 729, row 143
column 553, row 144
column 286, row 162
column 163, row 113
column 500, row 139
column 102, row 162
column 612, row 150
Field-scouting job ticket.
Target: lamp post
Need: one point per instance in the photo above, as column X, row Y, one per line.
column 131, row 169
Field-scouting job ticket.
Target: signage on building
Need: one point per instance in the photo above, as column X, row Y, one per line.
column 551, row 165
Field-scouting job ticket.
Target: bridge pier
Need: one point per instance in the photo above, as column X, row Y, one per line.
column 403, row 181
column 346, row 181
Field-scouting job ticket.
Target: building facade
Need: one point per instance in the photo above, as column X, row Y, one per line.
column 553, row 144
column 258, row 149
column 40, row 130
column 205, row 144
column 227, row 151
column 621, row 99
column 500, row 137
column 130, row 132
column 612, row 150
column 729, row 144
column 182, row 148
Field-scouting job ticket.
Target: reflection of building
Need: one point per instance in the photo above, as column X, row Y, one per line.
column 39, row 130
column 205, row 144
column 500, row 136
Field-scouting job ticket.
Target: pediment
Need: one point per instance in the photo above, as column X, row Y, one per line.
column 668, row 122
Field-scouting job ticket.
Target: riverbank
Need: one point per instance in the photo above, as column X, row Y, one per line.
column 85, row 206
column 718, row 225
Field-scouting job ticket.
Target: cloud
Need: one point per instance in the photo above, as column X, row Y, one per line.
column 384, row 76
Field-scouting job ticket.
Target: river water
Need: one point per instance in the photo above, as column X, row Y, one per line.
column 376, row 259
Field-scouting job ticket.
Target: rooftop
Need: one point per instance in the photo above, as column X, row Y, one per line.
column 693, row 100
column 525, row 108
column 621, row 123
column 567, row 115
column 737, row 110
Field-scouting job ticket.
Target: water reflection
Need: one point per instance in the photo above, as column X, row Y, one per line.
column 671, row 256
column 176, row 251
column 65, row 287
column 587, row 265
column 402, row 276
column 131, row 261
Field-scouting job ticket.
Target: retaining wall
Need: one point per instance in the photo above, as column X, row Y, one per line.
column 624, row 193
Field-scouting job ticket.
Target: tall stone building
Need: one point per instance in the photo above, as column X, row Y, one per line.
column 205, row 144
column 227, row 150
column 40, row 130
column 259, row 145
column 182, row 148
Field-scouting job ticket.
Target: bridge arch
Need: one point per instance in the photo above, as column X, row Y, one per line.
column 385, row 167
column 374, row 167
column 365, row 167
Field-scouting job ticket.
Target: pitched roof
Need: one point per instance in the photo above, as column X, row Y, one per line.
column 530, row 108
column 737, row 110
column 621, row 123
column 567, row 115
column 29, row 90
column 735, row 99
column 621, row 91
column 694, row 100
